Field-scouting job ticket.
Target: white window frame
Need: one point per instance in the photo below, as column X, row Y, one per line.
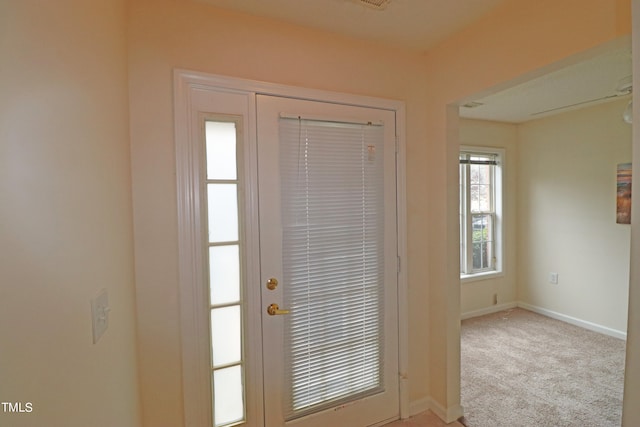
column 498, row 209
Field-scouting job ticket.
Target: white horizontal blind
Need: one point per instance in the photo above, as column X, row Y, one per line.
column 333, row 220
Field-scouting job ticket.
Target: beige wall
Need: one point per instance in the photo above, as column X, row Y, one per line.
column 567, row 218
column 515, row 42
column 478, row 295
column 166, row 34
column 66, row 195
column 631, row 404
column 65, row 214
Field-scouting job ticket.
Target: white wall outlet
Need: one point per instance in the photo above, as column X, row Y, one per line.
column 100, row 314
column 553, row 278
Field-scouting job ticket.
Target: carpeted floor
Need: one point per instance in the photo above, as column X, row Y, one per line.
column 521, row 369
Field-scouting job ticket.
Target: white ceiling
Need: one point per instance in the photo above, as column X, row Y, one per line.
column 586, row 83
column 414, row 24
column 420, row 24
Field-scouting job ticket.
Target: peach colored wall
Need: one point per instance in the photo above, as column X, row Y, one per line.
column 66, row 226
column 513, row 42
column 516, row 39
column 631, row 403
column 166, row 34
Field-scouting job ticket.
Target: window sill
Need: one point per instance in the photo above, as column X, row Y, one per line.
column 486, row 275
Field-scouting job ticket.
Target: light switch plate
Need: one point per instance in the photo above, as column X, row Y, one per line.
column 100, row 314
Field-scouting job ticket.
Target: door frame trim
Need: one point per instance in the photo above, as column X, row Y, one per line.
column 195, row 365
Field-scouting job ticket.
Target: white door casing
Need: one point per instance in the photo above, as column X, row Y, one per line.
column 195, row 94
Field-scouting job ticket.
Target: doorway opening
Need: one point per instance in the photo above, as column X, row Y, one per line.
column 561, row 181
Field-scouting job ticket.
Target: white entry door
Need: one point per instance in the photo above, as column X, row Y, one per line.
column 328, row 263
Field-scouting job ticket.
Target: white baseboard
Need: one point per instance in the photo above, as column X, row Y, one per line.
column 447, row 415
column 419, row 406
column 574, row 321
column 549, row 313
column 488, row 310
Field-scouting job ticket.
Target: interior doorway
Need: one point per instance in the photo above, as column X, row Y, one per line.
column 531, row 285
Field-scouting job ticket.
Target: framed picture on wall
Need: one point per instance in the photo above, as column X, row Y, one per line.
column 623, row 197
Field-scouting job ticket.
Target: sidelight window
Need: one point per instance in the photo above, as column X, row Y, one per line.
column 223, row 186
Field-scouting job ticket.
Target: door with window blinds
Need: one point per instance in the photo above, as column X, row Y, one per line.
column 328, row 248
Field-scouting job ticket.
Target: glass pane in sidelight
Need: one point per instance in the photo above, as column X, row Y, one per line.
column 221, row 150
column 224, row 274
column 228, row 396
column 223, row 212
column 225, row 335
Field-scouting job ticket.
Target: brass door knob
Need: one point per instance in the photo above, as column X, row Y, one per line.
column 274, row 310
column 272, row 284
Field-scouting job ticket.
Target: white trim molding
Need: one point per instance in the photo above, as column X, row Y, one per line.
column 419, row 406
column 449, row 414
column 193, row 321
column 549, row 313
column 488, row 310
column 574, row 321
column 428, row 404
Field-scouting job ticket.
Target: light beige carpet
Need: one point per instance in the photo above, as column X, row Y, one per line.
column 521, row 369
